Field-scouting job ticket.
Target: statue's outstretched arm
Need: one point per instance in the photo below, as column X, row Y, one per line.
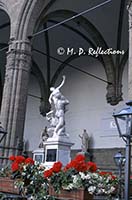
column 62, row 83
column 57, row 89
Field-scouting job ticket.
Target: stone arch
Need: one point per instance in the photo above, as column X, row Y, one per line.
column 112, row 95
column 87, row 25
column 45, row 106
column 4, row 7
column 28, row 17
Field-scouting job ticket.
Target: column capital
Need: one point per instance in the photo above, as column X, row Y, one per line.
column 19, row 45
column 114, row 94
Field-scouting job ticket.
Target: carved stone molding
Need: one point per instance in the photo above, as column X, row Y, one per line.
column 113, row 95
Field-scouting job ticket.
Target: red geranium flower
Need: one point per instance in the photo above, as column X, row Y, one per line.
column 80, row 157
column 29, row 161
column 91, row 166
column 12, row 158
column 66, row 167
column 113, row 177
column 20, row 159
column 103, row 173
column 48, row 173
column 70, row 165
column 80, row 166
column 15, row 166
column 57, row 167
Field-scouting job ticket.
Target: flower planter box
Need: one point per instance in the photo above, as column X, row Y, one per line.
column 79, row 194
column 7, row 185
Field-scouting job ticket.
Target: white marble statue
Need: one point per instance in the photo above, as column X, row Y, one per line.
column 85, row 141
column 44, row 137
column 50, row 116
column 58, row 102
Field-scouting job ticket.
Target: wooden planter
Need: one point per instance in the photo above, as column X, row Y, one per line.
column 79, row 194
column 7, row 185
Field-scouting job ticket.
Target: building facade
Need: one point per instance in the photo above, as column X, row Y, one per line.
column 91, row 49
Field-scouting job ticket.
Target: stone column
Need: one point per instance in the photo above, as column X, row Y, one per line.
column 129, row 7
column 15, row 94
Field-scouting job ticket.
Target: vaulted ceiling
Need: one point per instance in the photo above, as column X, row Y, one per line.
column 104, row 26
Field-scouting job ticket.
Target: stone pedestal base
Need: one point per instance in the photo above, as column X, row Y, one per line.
column 57, row 149
column 38, row 155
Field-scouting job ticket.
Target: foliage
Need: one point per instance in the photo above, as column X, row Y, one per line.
column 2, row 196
column 33, row 179
column 29, row 177
column 5, row 172
column 81, row 174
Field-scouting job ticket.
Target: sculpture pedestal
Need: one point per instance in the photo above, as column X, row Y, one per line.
column 38, row 155
column 57, row 149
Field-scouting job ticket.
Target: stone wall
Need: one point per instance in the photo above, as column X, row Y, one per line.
column 103, row 158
